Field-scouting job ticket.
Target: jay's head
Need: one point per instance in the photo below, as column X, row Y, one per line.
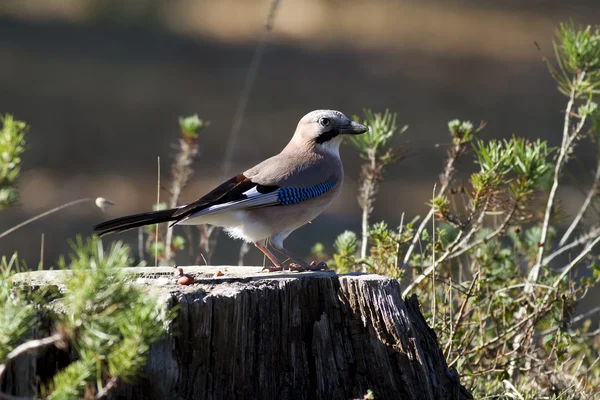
column 326, row 128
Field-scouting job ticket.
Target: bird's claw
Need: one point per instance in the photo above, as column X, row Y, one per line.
column 320, row 266
column 295, row 267
column 313, row 266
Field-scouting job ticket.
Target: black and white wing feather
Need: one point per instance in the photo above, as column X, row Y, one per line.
column 238, row 193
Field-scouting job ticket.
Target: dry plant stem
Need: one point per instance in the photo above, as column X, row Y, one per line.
column 447, row 300
column 168, row 240
column 457, row 242
column 577, row 259
column 429, row 269
column 28, row 347
column 577, row 242
column 398, row 244
column 591, row 334
column 565, row 147
column 157, row 205
column 433, row 260
column 466, row 342
column 206, row 232
column 41, row 266
column 247, row 89
column 112, row 383
column 593, row 191
column 487, row 238
column 418, row 234
column 182, row 172
column 141, row 243
column 445, row 178
column 569, row 267
column 574, row 320
column 461, row 312
column 513, row 329
column 367, row 197
column 44, row 214
column 475, row 227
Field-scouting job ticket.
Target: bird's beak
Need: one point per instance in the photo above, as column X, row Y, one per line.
column 353, row 128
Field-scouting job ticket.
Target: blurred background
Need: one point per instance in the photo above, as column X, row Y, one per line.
column 103, row 82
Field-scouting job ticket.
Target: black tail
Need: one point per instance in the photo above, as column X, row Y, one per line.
column 135, row 221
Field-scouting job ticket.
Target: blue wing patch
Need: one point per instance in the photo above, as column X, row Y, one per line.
column 288, row 196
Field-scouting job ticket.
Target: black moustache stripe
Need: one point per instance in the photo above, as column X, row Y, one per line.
column 327, row 136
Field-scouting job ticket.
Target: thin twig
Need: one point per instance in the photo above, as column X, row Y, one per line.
column 41, row 266
column 168, row 241
column 28, row 347
column 112, row 383
column 157, row 206
column 593, row 191
column 141, row 243
column 461, row 311
column 433, row 259
column 488, row 237
column 591, row 334
column 204, row 243
column 429, row 269
column 400, row 228
column 478, row 223
column 507, row 333
column 457, row 242
column 181, row 171
column 574, row 320
column 367, row 198
column 533, row 275
column 445, row 180
column 247, row 89
column 518, row 285
column 577, row 259
column 577, row 242
column 564, row 151
column 44, row 214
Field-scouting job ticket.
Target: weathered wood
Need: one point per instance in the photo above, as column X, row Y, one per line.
column 251, row 335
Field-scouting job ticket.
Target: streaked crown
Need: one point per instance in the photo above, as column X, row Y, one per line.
column 321, row 126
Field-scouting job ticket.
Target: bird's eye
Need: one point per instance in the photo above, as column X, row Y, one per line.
column 324, row 121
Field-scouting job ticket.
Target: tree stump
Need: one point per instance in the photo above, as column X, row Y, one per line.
column 253, row 335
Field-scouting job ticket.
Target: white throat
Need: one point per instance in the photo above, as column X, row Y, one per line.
column 332, row 147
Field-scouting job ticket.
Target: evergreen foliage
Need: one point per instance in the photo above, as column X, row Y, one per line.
column 499, row 289
column 497, row 284
column 107, row 322
column 12, row 146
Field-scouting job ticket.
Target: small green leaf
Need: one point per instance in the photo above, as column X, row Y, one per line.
column 191, row 125
column 178, row 242
column 159, row 206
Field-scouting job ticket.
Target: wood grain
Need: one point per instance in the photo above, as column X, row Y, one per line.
column 247, row 335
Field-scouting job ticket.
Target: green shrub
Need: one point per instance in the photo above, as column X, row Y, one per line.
column 12, row 146
column 486, row 261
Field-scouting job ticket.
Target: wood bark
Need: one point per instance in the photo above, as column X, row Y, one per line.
column 247, row 335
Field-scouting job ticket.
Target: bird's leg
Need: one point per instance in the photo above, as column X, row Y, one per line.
column 278, row 266
column 299, row 264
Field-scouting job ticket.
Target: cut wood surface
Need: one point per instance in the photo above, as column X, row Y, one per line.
column 253, row 335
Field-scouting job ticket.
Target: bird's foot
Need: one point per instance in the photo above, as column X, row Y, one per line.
column 272, row 269
column 313, row 266
column 320, row 266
